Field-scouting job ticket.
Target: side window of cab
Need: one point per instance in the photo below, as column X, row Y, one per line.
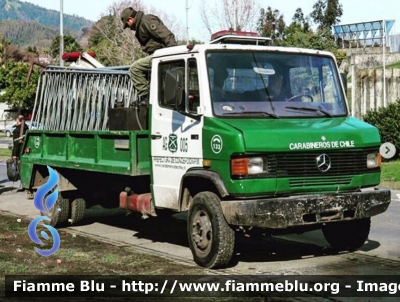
column 171, row 75
column 179, row 86
column 193, row 100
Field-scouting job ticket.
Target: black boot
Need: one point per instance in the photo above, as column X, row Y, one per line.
column 144, row 101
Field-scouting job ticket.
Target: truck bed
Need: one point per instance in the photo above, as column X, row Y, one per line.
column 113, row 152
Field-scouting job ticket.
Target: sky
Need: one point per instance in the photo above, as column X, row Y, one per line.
column 354, row 11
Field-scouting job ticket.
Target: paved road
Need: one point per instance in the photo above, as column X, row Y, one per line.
column 295, row 254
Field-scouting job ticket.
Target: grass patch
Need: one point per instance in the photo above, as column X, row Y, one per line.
column 389, row 66
column 77, row 255
column 395, row 65
column 110, row 258
column 80, row 255
column 4, row 152
column 391, row 171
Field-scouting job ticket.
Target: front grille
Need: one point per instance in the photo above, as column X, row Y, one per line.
column 320, row 181
column 304, row 164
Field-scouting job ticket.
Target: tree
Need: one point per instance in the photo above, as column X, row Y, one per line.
column 70, row 45
column 301, row 22
column 114, row 45
column 321, row 39
column 18, row 92
column 271, row 24
column 2, row 48
column 386, row 119
column 326, row 13
column 12, row 52
column 33, row 50
column 13, row 73
column 300, row 34
column 229, row 14
column 110, row 44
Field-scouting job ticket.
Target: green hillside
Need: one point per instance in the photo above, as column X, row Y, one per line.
column 18, row 10
column 25, row 24
column 24, row 34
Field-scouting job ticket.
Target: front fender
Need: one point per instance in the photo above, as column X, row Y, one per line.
column 209, row 175
column 191, row 185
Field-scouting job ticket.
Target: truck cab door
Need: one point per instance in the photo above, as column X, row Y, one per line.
column 176, row 129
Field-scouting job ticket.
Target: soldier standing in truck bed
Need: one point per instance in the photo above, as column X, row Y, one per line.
column 152, row 34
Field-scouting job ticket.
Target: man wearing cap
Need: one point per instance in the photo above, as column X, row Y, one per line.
column 152, row 34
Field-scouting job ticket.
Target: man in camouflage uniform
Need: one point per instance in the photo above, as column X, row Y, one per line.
column 152, row 34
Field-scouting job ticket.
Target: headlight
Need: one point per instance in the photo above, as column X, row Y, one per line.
column 249, row 166
column 256, row 165
column 374, row 160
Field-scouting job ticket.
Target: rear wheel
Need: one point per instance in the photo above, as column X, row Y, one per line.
column 59, row 213
column 78, row 208
column 211, row 240
column 347, row 235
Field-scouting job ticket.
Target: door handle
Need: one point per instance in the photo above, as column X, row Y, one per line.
column 156, row 136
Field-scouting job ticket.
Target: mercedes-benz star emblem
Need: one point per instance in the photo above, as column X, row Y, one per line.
column 324, row 163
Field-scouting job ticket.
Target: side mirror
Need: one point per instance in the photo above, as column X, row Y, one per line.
column 174, row 86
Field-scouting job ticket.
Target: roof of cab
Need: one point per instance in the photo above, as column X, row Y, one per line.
column 235, row 40
column 184, row 49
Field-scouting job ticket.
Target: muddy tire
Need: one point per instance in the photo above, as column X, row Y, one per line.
column 211, row 240
column 78, row 208
column 347, row 235
column 59, row 213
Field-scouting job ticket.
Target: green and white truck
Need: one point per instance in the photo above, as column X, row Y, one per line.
column 214, row 142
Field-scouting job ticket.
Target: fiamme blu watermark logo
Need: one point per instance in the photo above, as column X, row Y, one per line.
column 44, row 205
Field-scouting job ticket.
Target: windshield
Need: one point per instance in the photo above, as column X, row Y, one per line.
column 274, row 85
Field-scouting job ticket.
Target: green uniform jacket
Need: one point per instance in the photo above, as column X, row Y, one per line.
column 151, row 33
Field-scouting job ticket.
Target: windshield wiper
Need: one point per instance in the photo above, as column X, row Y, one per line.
column 264, row 113
column 310, row 109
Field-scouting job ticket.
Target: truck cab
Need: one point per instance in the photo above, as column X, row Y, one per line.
column 266, row 131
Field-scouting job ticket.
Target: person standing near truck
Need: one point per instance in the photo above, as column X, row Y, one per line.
column 18, row 133
column 13, row 164
column 152, row 34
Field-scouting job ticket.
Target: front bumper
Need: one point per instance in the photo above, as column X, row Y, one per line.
column 281, row 213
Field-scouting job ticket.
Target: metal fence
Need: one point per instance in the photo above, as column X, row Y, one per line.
column 78, row 99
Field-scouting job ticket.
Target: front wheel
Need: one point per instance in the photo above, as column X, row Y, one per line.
column 347, row 235
column 211, row 240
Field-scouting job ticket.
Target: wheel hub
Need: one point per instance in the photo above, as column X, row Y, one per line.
column 202, row 232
